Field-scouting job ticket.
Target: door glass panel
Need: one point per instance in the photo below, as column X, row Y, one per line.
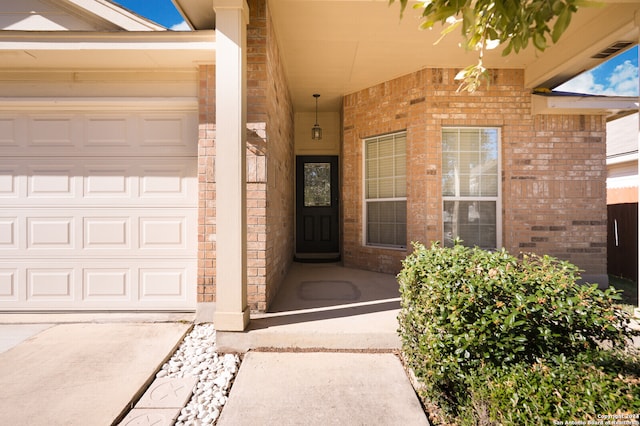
column 317, row 184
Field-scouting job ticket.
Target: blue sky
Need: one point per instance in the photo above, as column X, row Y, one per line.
column 618, row 76
column 160, row 11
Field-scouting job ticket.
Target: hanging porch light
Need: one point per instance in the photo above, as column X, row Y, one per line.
column 316, row 130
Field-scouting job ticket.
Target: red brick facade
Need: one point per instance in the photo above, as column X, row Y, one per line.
column 270, row 160
column 269, row 154
column 207, row 185
column 553, row 167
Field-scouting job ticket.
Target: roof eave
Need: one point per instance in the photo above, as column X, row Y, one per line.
column 608, row 106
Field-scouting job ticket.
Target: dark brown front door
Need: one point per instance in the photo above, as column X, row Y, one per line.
column 317, row 209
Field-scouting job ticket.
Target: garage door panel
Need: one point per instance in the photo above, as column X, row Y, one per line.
column 8, row 132
column 167, row 233
column 8, row 181
column 162, row 131
column 8, row 280
column 99, row 210
column 9, row 233
column 162, row 182
column 52, row 132
column 162, row 283
column 99, row 134
column 103, row 182
column 108, row 132
column 91, row 232
column 107, row 284
column 52, row 284
column 107, row 233
column 51, row 181
column 50, row 233
column 126, row 284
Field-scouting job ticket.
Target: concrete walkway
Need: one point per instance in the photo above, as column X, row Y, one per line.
column 350, row 311
column 322, row 389
column 81, row 373
column 87, row 369
column 328, row 306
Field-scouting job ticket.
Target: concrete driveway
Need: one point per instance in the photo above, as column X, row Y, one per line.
column 78, row 373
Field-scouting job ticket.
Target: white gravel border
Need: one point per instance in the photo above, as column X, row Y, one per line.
column 197, row 356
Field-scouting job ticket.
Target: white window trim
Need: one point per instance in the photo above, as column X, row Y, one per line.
column 497, row 199
column 364, row 195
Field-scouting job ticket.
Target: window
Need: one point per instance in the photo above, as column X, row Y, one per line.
column 471, row 186
column 385, row 194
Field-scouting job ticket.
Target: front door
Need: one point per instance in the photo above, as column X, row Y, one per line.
column 317, row 208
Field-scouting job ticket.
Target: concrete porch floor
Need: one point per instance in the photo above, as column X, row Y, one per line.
column 325, row 306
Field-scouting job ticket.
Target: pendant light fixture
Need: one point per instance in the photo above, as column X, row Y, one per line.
column 316, row 131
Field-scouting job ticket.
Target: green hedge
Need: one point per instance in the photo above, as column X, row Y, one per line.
column 556, row 389
column 469, row 314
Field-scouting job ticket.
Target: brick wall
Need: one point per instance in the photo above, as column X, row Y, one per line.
column 553, row 180
column 257, row 154
column 206, row 184
column 280, row 171
column 270, row 177
column 557, row 183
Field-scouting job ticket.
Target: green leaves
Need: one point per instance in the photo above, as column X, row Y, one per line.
column 484, row 23
column 563, row 21
column 553, row 389
column 466, row 310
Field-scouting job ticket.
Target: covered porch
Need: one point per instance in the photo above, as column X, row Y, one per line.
column 271, row 93
column 325, row 305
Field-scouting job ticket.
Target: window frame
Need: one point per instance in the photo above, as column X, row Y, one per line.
column 365, row 200
column 479, row 198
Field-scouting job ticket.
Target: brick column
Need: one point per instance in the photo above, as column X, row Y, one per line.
column 232, row 17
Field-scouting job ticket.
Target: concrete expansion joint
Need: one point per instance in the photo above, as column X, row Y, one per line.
column 327, row 350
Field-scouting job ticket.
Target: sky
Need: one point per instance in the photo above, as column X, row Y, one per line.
column 159, row 11
column 616, row 77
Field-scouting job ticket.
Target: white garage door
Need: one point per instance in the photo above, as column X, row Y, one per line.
column 99, row 210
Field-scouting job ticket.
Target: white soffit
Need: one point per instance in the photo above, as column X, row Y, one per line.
column 91, row 50
column 336, row 47
column 585, row 105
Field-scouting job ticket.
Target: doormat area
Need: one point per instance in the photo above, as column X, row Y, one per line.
column 328, row 290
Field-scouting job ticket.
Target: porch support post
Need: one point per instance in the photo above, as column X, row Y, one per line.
column 232, row 312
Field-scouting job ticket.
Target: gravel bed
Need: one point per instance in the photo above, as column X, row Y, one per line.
column 197, row 357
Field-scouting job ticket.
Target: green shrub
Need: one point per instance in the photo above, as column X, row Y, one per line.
column 552, row 390
column 466, row 308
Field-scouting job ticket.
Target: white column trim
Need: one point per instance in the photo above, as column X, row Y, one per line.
column 232, row 312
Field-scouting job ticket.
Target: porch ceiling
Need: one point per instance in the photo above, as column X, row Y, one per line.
column 336, row 47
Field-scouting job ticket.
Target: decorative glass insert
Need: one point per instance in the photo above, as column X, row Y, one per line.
column 471, row 186
column 317, row 184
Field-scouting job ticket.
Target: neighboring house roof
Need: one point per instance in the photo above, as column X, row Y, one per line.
column 93, row 34
column 74, row 15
